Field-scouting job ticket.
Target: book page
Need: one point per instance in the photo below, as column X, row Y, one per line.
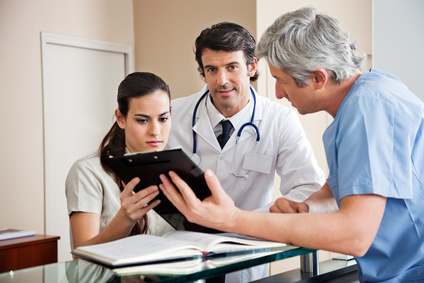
column 164, row 268
column 225, row 242
column 138, row 249
column 193, row 265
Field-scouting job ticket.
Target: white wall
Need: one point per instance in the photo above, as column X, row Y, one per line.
column 21, row 91
column 398, row 40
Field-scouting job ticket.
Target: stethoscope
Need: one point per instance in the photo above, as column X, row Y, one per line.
column 196, row 157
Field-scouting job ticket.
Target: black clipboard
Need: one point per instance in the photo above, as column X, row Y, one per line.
column 148, row 166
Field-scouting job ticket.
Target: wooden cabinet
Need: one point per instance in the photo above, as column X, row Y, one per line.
column 27, row 252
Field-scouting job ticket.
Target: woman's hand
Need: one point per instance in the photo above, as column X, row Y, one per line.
column 216, row 211
column 85, row 226
column 135, row 205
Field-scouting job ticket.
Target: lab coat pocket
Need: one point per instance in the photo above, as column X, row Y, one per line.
column 257, row 162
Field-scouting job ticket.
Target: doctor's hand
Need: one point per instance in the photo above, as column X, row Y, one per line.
column 216, row 211
column 283, row 205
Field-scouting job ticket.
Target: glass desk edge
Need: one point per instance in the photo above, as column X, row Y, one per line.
column 84, row 271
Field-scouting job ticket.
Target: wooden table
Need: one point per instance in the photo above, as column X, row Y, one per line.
column 27, row 252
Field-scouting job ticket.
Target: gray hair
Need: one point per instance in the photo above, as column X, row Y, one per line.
column 299, row 42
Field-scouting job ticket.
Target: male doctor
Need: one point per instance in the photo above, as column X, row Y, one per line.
column 225, row 54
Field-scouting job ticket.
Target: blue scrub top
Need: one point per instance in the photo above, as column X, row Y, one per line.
column 375, row 145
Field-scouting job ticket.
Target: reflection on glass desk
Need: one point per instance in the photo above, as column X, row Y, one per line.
column 84, row 271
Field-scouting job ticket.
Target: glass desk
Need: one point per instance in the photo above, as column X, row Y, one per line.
column 84, row 271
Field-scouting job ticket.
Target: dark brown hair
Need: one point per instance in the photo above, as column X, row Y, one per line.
column 113, row 144
column 228, row 37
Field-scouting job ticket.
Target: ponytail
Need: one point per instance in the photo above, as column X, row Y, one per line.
column 113, row 144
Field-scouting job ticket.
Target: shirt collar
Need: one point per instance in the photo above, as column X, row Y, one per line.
column 236, row 120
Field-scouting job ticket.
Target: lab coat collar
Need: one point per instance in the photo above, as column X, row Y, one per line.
column 204, row 125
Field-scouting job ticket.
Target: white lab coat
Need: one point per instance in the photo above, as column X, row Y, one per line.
column 283, row 147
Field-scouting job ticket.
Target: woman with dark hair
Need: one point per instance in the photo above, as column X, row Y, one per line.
column 101, row 208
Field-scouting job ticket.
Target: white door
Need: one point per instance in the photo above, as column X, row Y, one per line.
column 80, row 82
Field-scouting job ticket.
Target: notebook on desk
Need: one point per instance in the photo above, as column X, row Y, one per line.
column 6, row 234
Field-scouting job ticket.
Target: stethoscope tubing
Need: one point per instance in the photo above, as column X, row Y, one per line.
column 194, row 120
column 196, row 157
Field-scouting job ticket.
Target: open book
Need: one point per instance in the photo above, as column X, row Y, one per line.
column 174, row 245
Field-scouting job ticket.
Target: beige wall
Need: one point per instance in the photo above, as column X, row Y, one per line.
column 21, row 22
column 165, row 32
